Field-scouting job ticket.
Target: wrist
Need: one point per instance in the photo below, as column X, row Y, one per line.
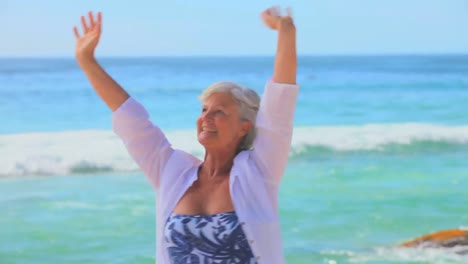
column 84, row 60
column 285, row 23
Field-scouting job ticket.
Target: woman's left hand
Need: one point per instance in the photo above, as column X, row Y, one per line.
column 273, row 16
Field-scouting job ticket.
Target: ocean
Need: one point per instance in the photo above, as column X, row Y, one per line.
column 379, row 156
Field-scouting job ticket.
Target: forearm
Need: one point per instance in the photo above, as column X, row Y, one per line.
column 274, row 128
column 107, row 89
column 286, row 58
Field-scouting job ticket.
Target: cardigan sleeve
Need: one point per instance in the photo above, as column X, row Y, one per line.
column 274, row 129
column 144, row 141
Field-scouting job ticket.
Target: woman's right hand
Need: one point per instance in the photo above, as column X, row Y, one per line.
column 87, row 43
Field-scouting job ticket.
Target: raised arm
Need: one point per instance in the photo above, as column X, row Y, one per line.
column 286, row 59
column 108, row 89
column 145, row 142
column 276, row 112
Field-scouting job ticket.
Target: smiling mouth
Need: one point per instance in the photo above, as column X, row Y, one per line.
column 209, row 130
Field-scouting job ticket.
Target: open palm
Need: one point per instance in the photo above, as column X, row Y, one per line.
column 87, row 43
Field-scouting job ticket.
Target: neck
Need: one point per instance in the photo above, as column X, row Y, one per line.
column 217, row 163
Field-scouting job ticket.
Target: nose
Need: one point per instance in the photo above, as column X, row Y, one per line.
column 207, row 115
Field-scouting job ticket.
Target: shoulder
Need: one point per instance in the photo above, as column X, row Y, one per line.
column 179, row 166
column 181, row 160
column 244, row 163
column 183, row 156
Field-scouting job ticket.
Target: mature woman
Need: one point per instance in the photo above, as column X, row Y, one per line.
column 223, row 209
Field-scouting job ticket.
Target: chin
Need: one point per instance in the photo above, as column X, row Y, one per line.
column 204, row 141
column 208, row 143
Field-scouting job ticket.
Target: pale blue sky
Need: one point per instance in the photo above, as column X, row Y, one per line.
column 202, row 27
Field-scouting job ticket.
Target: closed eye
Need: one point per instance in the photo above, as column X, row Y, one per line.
column 217, row 112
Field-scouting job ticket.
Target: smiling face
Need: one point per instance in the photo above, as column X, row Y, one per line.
column 219, row 125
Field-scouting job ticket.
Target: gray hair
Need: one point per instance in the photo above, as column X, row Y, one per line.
column 248, row 102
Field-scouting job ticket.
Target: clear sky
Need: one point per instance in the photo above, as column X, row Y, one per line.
column 218, row 27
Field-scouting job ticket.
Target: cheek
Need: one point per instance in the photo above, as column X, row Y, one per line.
column 231, row 127
column 224, row 122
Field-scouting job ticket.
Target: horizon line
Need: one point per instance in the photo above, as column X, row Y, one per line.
column 141, row 56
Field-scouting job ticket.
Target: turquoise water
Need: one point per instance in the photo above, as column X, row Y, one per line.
column 379, row 156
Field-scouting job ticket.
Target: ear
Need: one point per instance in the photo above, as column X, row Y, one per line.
column 245, row 127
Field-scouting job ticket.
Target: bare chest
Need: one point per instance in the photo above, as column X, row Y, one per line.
column 211, row 197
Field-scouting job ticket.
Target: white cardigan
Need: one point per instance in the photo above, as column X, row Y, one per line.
column 254, row 178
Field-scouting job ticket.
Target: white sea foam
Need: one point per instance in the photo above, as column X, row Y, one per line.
column 455, row 255
column 61, row 153
column 376, row 136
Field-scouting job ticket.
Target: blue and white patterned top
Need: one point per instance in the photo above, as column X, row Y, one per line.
column 207, row 239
